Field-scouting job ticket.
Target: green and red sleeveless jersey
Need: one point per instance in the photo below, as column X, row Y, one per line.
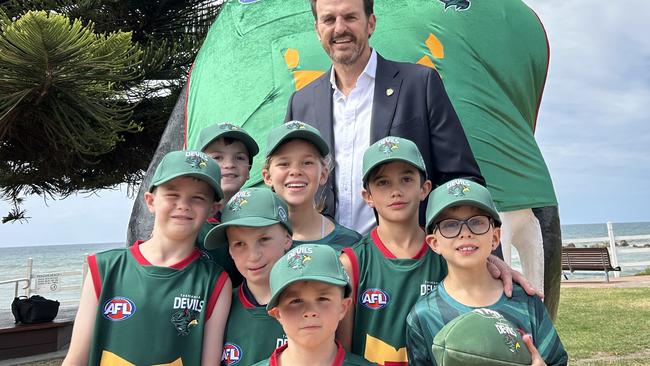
column 342, row 358
column 386, row 288
column 251, row 333
column 150, row 315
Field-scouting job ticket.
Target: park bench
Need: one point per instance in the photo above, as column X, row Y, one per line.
column 587, row 259
column 20, row 340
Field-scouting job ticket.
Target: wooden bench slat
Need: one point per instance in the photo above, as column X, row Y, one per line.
column 587, row 259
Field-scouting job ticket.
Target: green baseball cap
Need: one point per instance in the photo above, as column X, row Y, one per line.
column 307, row 262
column 187, row 163
column 250, row 207
column 295, row 130
column 390, row 149
column 225, row 129
column 459, row 192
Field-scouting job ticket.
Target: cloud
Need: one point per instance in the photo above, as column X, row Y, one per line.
column 593, row 124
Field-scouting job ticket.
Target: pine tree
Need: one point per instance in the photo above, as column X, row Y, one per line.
column 86, row 88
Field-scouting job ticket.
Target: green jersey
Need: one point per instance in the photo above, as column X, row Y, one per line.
column 385, row 289
column 251, row 333
column 341, row 237
column 342, row 358
column 436, row 309
column 220, row 255
column 150, row 315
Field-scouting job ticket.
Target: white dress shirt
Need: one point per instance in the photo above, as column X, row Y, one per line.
column 352, row 116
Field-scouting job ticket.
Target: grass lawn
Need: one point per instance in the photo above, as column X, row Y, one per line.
column 605, row 326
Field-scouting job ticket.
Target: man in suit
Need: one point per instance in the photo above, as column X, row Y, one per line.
column 365, row 97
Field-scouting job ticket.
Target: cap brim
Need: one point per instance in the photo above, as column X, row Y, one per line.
column 469, row 202
column 325, row 279
column 389, row 160
column 204, row 177
column 217, row 236
column 246, row 139
column 307, row 135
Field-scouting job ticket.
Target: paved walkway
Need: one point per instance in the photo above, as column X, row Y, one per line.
column 599, row 282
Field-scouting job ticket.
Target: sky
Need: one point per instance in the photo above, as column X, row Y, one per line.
column 593, row 130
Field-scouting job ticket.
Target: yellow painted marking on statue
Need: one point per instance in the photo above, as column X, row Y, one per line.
column 302, row 78
column 435, row 46
column 292, row 58
column 381, row 352
column 426, row 61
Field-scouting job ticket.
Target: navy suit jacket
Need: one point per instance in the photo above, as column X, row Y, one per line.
column 418, row 109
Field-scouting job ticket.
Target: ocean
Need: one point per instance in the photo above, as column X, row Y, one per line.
column 48, row 261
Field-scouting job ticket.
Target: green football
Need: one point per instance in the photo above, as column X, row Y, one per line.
column 480, row 337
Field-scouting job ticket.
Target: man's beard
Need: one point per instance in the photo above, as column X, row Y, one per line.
column 347, row 57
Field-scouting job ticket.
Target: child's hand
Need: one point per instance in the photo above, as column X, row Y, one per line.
column 534, row 354
column 499, row 269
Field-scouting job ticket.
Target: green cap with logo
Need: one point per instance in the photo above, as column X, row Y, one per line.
column 295, row 130
column 390, row 149
column 307, row 262
column 187, row 163
column 225, row 129
column 250, row 207
column 460, row 192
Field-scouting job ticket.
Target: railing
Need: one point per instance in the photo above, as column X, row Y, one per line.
column 43, row 283
column 16, row 282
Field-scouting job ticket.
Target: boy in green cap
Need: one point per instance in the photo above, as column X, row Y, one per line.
column 233, row 149
column 391, row 267
column 463, row 226
column 310, row 295
column 297, row 166
column 161, row 291
column 256, row 232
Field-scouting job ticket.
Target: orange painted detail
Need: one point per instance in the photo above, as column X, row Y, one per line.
column 435, row 46
column 426, row 61
column 292, row 58
column 302, row 78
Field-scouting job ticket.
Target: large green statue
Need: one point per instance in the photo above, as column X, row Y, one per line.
column 493, row 58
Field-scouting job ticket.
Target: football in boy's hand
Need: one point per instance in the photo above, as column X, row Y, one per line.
column 480, row 337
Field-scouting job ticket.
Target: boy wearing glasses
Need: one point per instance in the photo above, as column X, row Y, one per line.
column 392, row 266
column 463, row 227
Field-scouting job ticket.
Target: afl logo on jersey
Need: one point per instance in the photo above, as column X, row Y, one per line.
column 231, row 354
column 374, row 298
column 118, row 308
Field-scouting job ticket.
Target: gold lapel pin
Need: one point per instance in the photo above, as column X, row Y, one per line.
column 389, row 92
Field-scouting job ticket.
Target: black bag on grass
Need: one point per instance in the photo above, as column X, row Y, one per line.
column 33, row 310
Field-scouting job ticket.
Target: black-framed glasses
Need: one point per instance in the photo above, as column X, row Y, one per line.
column 450, row 228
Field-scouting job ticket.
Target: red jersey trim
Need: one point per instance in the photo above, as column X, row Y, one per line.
column 94, row 274
column 218, row 286
column 355, row 270
column 187, row 100
column 243, row 299
column 137, row 254
column 387, row 253
column 212, row 220
column 338, row 360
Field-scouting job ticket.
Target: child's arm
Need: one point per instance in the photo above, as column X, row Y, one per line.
column 84, row 323
column 534, row 354
column 417, row 347
column 346, row 326
column 214, row 328
column 545, row 337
